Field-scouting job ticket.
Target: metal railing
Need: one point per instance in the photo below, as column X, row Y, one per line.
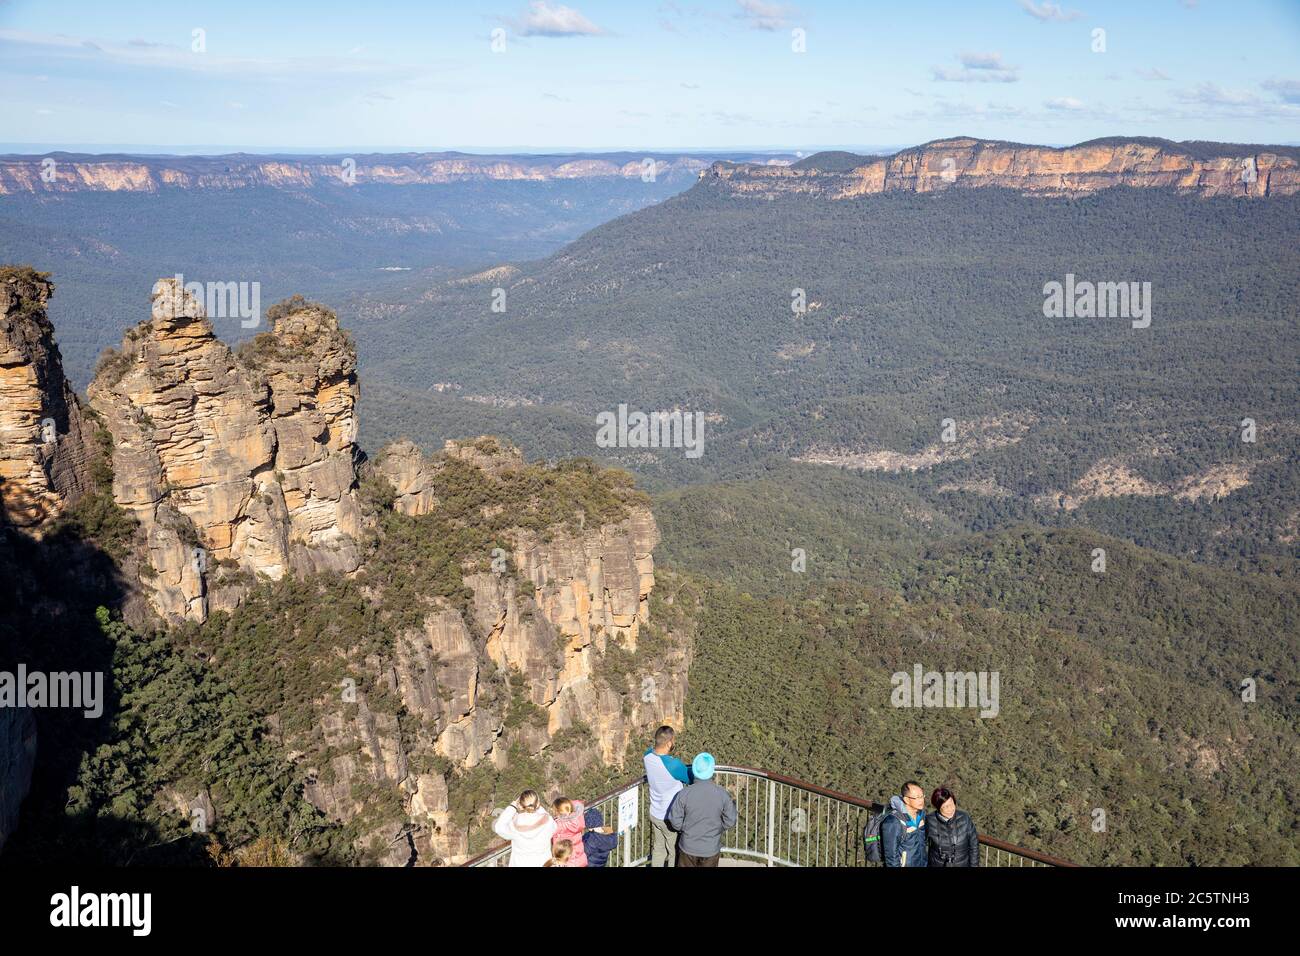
column 780, row 821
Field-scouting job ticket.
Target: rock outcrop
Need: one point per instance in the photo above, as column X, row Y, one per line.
column 554, row 631
column 403, row 465
column 1115, row 478
column 540, row 654
column 43, row 453
column 234, row 467
column 1202, row 169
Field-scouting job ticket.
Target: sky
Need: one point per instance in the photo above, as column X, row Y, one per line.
column 537, row 75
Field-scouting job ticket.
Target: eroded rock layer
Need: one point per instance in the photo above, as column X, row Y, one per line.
column 232, row 465
column 1202, row 169
column 558, row 637
column 43, row 453
column 83, row 173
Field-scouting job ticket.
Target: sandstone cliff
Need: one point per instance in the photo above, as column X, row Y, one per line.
column 1204, row 170
column 533, row 657
column 43, row 453
column 233, row 467
column 44, row 470
column 548, row 663
column 81, row 173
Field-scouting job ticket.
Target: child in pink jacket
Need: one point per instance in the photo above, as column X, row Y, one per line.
column 570, row 825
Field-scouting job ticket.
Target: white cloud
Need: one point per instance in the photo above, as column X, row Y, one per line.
column 1048, row 11
column 164, row 56
column 1064, row 103
column 544, row 20
column 1210, row 94
column 978, row 68
column 983, row 61
column 962, row 109
column 762, row 15
column 733, row 119
column 1287, row 90
column 1209, row 99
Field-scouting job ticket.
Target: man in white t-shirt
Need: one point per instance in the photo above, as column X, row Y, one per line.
column 666, row 775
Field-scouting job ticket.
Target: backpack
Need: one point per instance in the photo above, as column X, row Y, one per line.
column 871, row 835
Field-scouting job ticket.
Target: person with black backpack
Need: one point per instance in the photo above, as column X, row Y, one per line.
column 896, row 836
column 951, row 832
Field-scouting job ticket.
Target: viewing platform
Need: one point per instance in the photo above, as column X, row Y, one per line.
column 780, row 821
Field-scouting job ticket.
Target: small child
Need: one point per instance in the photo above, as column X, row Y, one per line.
column 562, row 854
column 570, row 826
column 599, row 842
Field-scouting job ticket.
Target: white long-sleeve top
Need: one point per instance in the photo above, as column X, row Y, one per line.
column 529, row 835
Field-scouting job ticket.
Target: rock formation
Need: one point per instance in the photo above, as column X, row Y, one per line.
column 232, row 465
column 244, row 464
column 571, row 610
column 44, row 470
column 404, row 467
column 43, row 452
column 1207, row 169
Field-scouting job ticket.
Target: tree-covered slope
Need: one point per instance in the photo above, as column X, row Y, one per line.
column 1185, row 772
column 920, row 309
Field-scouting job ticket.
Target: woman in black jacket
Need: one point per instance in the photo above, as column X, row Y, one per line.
column 951, row 833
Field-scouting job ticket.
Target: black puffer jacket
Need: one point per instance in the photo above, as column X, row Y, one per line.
column 952, row 842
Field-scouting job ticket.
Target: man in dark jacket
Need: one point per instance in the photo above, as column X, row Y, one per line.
column 597, row 843
column 951, row 832
column 902, row 832
column 700, row 814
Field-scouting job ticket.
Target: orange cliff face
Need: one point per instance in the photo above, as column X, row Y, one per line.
column 1035, row 170
column 41, row 174
column 1206, row 169
column 43, row 438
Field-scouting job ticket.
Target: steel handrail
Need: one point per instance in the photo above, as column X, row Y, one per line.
column 996, row 844
column 617, row 791
column 874, row 807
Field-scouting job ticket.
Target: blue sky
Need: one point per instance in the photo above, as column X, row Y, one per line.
column 592, row 74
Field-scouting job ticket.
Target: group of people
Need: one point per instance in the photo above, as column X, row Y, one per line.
column 689, row 814
column 910, row 837
column 569, row 834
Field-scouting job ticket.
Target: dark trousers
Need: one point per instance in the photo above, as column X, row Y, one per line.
column 686, row 859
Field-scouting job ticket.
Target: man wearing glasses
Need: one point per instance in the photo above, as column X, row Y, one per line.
column 902, row 832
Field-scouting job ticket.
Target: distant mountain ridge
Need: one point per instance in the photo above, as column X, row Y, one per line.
column 1205, row 169
column 84, row 172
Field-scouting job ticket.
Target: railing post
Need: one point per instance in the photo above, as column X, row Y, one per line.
column 771, row 819
column 626, row 835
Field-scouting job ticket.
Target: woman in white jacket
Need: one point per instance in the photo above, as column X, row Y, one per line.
column 529, row 828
